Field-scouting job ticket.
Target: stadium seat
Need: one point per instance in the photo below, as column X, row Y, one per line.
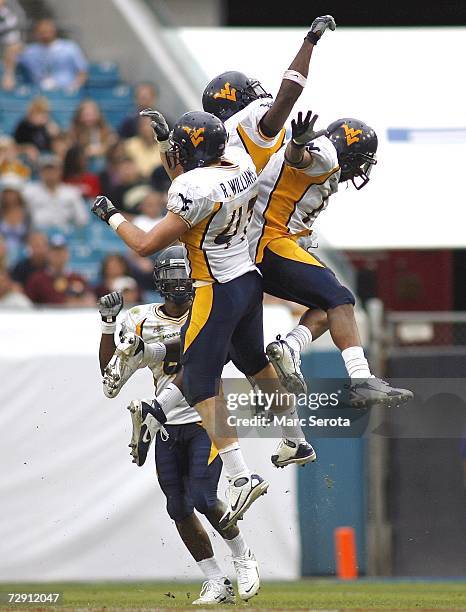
column 13, row 106
column 112, row 98
column 103, row 74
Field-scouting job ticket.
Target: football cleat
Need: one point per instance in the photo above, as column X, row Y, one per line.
column 286, row 363
column 127, row 358
column 216, row 592
column 147, row 421
column 289, row 452
column 247, row 574
column 242, row 493
column 375, row 391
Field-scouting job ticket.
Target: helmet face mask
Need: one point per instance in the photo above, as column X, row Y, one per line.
column 230, row 92
column 170, row 276
column 356, row 145
column 357, row 166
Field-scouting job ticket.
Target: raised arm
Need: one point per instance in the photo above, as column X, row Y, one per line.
column 144, row 243
column 294, row 79
column 297, row 153
column 109, row 306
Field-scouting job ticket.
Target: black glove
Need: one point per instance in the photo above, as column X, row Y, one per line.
column 110, row 305
column 302, row 130
column 103, row 208
column 158, row 123
column 318, row 27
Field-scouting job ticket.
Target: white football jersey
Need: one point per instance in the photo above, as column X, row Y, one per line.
column 289, row 199
column 244, row 131
column 153, row 325
column 215, row 202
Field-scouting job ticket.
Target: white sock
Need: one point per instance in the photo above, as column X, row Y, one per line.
column 292, row 431
column 237, row 546
column 169, row 397
column 355, row 362
column 299, row 338
column 154, row 353
column 210, row 568
column 233, row 461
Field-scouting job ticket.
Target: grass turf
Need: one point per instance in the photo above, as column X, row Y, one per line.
column 305, row 594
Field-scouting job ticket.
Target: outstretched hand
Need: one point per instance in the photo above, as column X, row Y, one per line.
column 158, row 123
column 302, row 130
column 319, row 26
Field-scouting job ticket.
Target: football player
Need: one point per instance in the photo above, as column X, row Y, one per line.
column 294, row 189
column 252, row 118
column 208, row 210
column 188, row 464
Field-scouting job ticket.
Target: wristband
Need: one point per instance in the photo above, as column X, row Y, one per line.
column 296, row 77
column 164, row 145
column 312, row 38
column 116, row 220
column 108, row 328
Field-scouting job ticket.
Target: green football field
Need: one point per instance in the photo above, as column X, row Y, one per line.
column 305, row 594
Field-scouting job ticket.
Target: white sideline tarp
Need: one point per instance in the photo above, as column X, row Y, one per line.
column 72, row 505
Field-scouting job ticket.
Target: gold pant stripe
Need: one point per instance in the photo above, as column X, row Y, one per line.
column 213, row 453
column 200, row 312
column 288, row 249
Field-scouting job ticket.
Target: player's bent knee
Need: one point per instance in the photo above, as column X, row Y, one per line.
column 178, row 508
column 204, row 502
column 344, row 296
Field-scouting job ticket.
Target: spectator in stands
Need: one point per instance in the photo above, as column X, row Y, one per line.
column 60, row 145
column 114, row 266
column 129, row 288
column 143, row 149
column 75, row 173
column 132, row 189
column 36, row 259
column 159, row 180
column 55, row 284
column 10, row 164
column 110, row 175
column 3, row 254
column 151, row 210
column 145, row 96
column 14, row 219
column 35, row 131
column 52, row 204
column 90, row 130
column 11, row 295
column 52, row 62
column 10, row 40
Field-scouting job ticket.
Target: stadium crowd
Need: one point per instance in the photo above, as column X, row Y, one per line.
column 50, row 172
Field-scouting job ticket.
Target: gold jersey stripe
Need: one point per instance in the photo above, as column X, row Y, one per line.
column 289, row 189
column 260, row 154
column 200, row 312
column 287, row 248
column 193, row 240
column 139, row 328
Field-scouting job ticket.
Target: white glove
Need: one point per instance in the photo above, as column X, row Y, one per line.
column 110, row 305
column 318, row 27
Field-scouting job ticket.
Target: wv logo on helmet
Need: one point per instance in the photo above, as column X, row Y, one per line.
column 351, row 135
column 196, row 136
column 227, row 93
